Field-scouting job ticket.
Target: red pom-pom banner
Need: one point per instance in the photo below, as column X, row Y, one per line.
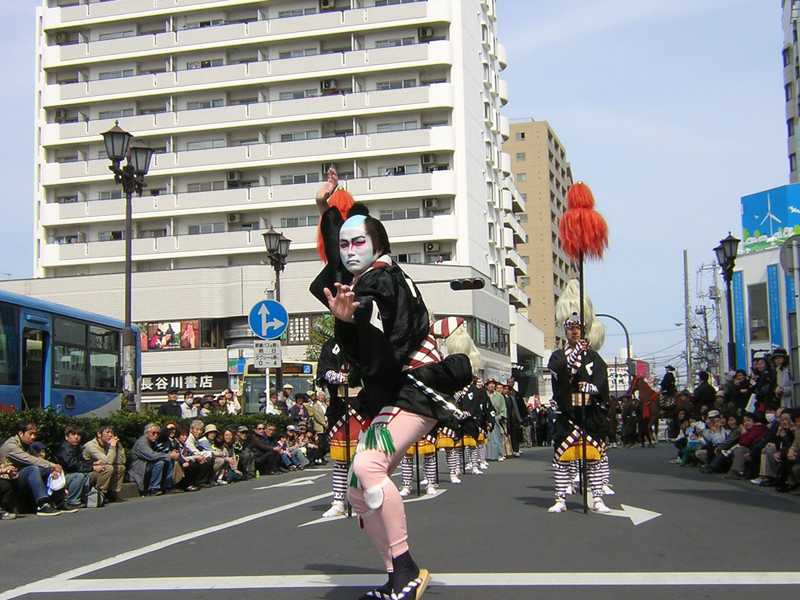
column 342, row 200
column 583, row 231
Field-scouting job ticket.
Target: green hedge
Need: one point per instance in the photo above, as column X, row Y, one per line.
column 129, row 426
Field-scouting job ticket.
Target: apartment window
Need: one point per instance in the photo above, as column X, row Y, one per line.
column 758, row 312
column 790, row 127
column 68, row 238
column 200, row 104
column 520, row 156
column 787, row 91
column 399, row 170
column 792, row 162
column 396, row 84
column 112, row 195
column 205, row 186
column 246, row 141
column 153, row 233
column 787, row 55
column 206, row 23
column 67, row 158
column 204, row 64
column 300, row 136
column 298, row 53
column 205, row 144
column 301, row 178
column 413, row 258
column 111, row 236
column 118, row 74
column 115, row 114
column 397, row 126
column 67, row 199
column 116, row 35
column 394, row 42
column 302, row 221
column 521, row 177
column 296, row 12
column 520, row 135
column 298, row 94
column 153, row 110
column 399, row 214
column 241, row 101
column 206, row 228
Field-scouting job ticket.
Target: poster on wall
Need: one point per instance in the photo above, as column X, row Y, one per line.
column 170, row 335
column 770, row 217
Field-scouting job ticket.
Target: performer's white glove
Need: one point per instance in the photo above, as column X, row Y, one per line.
column 587, row 388
column 336, row 378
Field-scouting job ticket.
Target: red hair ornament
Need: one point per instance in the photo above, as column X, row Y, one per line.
column 343, row 201
column 583, row 230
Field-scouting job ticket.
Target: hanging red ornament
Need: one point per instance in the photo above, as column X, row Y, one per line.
column 583, row 230
column 343, row 202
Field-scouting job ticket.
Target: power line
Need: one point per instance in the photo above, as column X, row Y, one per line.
column 675, row 329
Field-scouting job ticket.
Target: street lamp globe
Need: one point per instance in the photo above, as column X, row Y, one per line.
column 730, row 247
column 720, row 252
column 283, row 246
column 117, row 141
column 272, row 240
column 139, row 158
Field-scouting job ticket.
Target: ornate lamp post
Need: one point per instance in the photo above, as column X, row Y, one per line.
column 131, row 177
column 277, row 252
column 726, row 257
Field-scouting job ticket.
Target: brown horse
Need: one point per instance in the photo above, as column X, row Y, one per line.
column 650, row 409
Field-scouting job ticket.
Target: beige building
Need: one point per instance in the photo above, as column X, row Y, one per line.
column 543, row 175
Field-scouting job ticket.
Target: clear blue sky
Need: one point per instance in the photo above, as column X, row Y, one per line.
column 669, row 110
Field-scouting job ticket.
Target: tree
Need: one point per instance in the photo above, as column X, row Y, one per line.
column 321, row 331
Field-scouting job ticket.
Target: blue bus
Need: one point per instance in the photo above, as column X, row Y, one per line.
column 57, row 357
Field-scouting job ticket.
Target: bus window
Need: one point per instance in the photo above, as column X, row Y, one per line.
column 9, row 345
column 69, row 354
column 32, row 368
column 103, row 358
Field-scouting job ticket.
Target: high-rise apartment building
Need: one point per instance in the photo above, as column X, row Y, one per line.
column 543, row 176
column 791, row 78
column 247, row 103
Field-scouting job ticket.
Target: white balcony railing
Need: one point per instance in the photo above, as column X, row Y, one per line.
column 502, row 55
column 229, row 242
column 520, row 237
column 336, row 64
column 517, row 297
column 505, row 163
column 435, row 139
column 502, row 90
column 253, row 32
column 515, row 260
column 439, row 183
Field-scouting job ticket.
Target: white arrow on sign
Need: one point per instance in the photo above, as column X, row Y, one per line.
column 263, row 312
column 293, row 482
column 635, row 514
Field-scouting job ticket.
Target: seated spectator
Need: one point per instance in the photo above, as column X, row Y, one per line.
column 788, row 476
column 243, row 453
column 295, row 449
column 106, row 450
column 8, row 496
column 684, row 430
column 198, row 464
column 776, row 444
column 314, row 453
column 299, row 411
column 674, row 426
column 83, row 476
column 694, row 442
column 720, row 462
column 263, row 445
column 151, row 469
column 714, row 435
column 189, row 408
column 208, row 444
column 34, row 474
column 753, row 429
column 737, row 393
column 224, row 444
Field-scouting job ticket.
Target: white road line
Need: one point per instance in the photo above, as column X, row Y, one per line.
column 298, row 481
column 59, row 580
column 647, row 579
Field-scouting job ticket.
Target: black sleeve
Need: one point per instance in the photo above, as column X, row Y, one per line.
column 71, row 460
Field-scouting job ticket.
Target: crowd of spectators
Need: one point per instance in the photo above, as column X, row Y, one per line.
column 167, row 457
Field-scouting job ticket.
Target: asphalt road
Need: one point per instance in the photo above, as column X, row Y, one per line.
column 490, row 537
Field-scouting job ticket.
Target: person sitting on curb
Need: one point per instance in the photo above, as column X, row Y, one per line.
column 152, row 470
column 8, row 495
column 198, row 464
column 106, row 450
column 36, row 475
column 83, row 476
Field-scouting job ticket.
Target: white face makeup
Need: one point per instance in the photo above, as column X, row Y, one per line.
column 355, row 246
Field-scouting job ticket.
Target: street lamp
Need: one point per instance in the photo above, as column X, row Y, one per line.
column 277, row 252
column 726, row 257
column 131, row 177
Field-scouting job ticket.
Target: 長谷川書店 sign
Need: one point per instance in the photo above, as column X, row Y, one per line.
column 199, row 383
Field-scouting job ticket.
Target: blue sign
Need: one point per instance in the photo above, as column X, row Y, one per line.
column 268, row 319
column 739, row 320
column 774, row 296
column 770, row 217
column 790, row 303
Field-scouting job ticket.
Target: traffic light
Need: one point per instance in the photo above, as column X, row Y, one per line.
column 472, row 283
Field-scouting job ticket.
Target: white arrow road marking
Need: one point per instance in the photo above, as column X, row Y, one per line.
column 635, row 514
column 339, row 518
column 359, row 580
column 263, row 312
column 293, row 482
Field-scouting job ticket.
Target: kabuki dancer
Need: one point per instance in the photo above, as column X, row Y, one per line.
column 580, row 375
column 383, row 327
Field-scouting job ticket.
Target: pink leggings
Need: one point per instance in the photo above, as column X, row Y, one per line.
column 377, row 501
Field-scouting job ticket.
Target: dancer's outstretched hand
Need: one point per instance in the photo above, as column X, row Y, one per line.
column 343, row 304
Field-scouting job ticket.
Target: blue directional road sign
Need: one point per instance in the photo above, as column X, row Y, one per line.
column 268, row 319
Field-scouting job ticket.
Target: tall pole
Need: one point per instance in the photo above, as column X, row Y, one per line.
column 796, row 276
column 687, row 323
column 731, row 343
column 718, row 321
column 128, row 353
column 583, row 466
column 279, row 370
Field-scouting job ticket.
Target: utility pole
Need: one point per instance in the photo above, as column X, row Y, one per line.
column 718, row 321
column 687, row 321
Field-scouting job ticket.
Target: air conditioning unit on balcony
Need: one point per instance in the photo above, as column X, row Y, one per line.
column 327, row 4
column 430, row 203
column 428, row 159
column 328, row 85
column 234, row 218
column 425, row 33
column 432, row 247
